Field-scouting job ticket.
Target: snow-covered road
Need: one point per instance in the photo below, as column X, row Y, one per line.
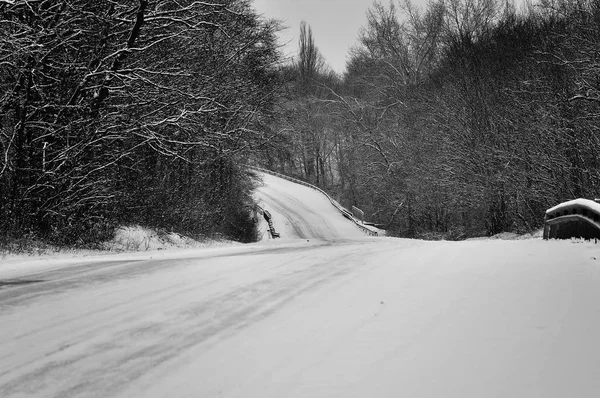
column 301, row 212
column 340, row 316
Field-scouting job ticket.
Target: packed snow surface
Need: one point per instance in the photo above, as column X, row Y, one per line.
column 352, row 316
column 303, row 212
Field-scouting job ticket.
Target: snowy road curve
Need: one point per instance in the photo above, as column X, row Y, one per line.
column 322, row 316
column 302, row 212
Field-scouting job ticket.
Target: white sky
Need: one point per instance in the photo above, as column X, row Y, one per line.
column 335, row 24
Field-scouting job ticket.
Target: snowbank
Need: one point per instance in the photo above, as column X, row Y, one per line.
column 584, row 203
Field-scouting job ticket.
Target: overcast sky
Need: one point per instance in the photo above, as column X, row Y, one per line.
column 335, row 24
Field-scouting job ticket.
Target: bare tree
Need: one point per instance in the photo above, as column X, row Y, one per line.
column 404, row 42
column 310, row 63
column 467, row 20
column 110, row 103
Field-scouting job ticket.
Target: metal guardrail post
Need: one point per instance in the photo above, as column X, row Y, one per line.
column 269, row 219
column 358, row 213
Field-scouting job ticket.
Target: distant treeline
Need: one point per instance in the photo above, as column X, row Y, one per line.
column 465, row 118
column 132, row 111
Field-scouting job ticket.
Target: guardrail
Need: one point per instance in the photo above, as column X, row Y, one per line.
column 267, row 216
column 579, row 218
column 339, row 207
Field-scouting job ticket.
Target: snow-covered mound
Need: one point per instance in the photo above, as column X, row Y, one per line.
column 137, row 238
column 583, row 203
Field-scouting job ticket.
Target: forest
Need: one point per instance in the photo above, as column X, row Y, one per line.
column 464, row 118
column 459, row 119
column 131, row 112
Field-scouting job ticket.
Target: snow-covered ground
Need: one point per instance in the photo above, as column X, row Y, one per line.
column 334, row 314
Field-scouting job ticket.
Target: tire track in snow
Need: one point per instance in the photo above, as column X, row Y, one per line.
column 100, row 351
